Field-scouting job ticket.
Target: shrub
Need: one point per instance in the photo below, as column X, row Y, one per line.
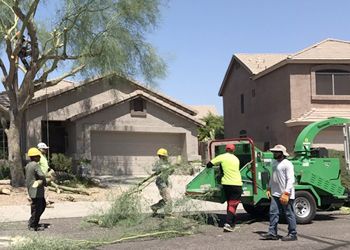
column 61, row 163
column 345, row 176
column 4, row 170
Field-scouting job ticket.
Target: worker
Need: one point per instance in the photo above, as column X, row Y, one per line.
column 282, row 194
column 163, row 169
column 25, row 50
column 48, row 172
column 35, row 182
column 231, row 182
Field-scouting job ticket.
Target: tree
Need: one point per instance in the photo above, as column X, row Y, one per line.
column 213, row 129
column 92, row 37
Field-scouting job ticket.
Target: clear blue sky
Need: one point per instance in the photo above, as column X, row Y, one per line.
column 199, row 37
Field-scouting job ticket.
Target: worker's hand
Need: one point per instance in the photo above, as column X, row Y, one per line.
column 37, row 183
column 284, row 198
column 268, row 193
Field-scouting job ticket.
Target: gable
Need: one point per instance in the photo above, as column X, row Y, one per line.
column 327, row 51
column 133, row 96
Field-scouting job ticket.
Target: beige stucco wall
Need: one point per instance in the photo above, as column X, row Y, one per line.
column 265, row 113
column 115, row 118
column 118, row 119
column 72, row 103
column 281, row 95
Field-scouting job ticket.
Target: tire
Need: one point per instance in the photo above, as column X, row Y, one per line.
column 256, row 211
column 304, row 207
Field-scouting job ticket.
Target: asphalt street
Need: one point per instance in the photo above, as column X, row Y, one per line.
column 329, row 230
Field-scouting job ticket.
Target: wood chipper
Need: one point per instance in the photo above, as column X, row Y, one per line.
column 317, row 177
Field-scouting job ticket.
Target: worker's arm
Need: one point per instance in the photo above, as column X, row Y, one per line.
column 289, row 177
column 214, row 162
column 40, row 176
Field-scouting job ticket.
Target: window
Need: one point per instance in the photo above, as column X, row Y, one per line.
column 138, row 107
column 242, row 104
column 332, row 82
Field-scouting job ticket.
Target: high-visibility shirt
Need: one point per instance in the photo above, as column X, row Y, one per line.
column 230, row 166
column 44, row 165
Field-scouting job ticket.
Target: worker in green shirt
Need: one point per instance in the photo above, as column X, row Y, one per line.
column 231, row 182
column 35, row 182
column 163, row 170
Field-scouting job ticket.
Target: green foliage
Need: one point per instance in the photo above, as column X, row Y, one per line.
column 60, row 162
column 42, row 243
column 125, row 210
column 112, row 34
column 4, row 170
column 213, row 129
column 345, row 176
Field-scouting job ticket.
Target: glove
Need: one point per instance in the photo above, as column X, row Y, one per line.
column 268, row 193
column 284, row 198
column 37, row 183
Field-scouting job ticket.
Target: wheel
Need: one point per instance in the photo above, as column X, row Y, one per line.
column 304, row 207
column 257, row 211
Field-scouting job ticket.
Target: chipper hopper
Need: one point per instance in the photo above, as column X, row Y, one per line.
column 317, row 185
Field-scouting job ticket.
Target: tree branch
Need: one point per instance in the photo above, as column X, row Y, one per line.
column 3, row 68
column 57, row 80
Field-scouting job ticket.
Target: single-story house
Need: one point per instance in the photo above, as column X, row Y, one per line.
column 113, row 121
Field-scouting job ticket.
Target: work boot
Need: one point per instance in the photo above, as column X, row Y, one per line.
column 37, row 228
column 269, row 236
column 228, row 228
column 154, row 211
column 289, row 237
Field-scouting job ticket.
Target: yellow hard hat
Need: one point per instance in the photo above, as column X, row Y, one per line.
column 162, row 151
column 33, row 152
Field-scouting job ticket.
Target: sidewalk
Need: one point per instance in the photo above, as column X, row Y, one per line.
column 84, row 208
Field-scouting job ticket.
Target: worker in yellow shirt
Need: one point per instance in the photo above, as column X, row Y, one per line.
column 231, row 182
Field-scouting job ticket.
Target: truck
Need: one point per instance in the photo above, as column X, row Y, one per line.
column 317, row 177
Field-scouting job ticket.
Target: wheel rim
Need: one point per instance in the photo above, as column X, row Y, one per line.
column 302, row 207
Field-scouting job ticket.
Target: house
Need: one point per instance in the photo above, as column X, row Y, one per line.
column 272, row 97
column 113, row 121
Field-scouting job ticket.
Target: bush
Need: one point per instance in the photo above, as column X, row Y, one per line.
column 345, row 176
column 61, row 163
column 4, row 170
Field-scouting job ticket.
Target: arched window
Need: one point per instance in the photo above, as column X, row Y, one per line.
column 332, row 82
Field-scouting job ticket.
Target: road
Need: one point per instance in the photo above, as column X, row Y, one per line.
column 329, row 230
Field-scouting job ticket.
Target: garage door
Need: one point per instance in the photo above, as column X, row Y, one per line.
column 130, row 153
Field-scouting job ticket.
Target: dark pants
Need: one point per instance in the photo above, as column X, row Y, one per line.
column 37, row 208
column 275, row 208
column 233, row 196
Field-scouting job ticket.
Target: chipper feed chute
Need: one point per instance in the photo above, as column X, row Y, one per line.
column 205, row 186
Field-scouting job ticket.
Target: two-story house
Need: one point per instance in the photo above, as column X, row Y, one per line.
column 272, row 97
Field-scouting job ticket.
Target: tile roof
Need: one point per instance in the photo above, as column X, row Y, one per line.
column 204, row 110
column 257, row 63
column 317, row 114
column 328, row 49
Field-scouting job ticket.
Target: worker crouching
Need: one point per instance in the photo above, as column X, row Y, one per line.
column 35, row 182
column 163, row 169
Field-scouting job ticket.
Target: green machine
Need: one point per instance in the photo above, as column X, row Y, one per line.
column 318, row 185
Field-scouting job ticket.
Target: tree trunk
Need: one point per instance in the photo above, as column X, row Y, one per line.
column 14, row 148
